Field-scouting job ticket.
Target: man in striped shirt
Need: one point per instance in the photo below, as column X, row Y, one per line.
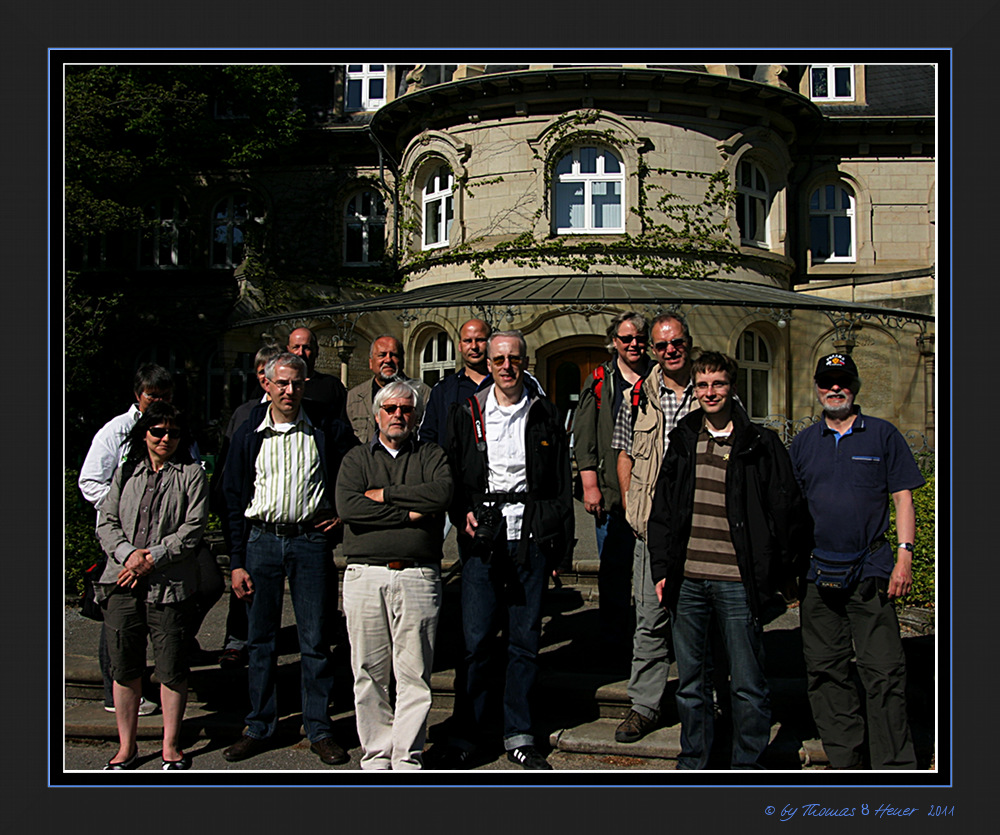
column 279, row 485
column 723, row 534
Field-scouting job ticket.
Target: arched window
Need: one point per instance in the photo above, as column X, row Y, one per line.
column 364, row 237
column 160, row 240
column 438, row 207
column 753, row 380
column 831, row 223
column 589, row 196
column 365, row 87
column 229, row 220
column 438, row 358
column 752, row 201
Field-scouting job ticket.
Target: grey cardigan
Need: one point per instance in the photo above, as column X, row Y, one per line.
column 176, row 532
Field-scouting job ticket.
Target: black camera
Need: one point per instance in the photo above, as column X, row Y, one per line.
column 489, row 520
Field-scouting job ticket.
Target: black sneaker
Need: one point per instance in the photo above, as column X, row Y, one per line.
column 449, row 758
column 527, row 756
column 634, row 727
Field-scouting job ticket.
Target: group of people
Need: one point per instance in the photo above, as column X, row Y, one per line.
column 706, row 512
column 722, row 522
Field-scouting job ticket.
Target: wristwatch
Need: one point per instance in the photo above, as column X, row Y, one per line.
column 906, row 545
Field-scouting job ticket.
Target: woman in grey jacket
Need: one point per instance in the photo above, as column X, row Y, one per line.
column 150, row 525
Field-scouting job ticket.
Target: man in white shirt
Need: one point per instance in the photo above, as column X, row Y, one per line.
column 513, row 507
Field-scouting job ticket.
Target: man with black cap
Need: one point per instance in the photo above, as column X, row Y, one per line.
column 849, row 466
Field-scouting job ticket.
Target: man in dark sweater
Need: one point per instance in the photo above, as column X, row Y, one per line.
column 392, row 494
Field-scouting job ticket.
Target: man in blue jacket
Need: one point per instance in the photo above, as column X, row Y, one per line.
column 279, row 484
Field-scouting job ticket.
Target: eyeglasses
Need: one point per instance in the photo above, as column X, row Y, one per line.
column 284, row 384
column 678, row 344
column 630, row 338
column 157, row 395
column 514, row 359
column 828, row 383
column 161, row 432
column 715, row 385
column 390, row 409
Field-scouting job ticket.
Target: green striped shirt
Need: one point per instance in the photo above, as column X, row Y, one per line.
column 288, row 486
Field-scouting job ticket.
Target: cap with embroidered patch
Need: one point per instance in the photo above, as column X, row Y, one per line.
column 833, row 363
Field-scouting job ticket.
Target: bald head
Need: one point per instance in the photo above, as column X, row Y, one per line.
column 303, row 343
column 472, row 339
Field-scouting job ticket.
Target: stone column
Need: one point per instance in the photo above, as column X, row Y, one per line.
column 344, row 350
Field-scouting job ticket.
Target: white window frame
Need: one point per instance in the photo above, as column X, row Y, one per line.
column 441, row 366
column 830, row 71
column 365, row 75
column 439, row 192
column 367, row 223
column 589, row 180
column 160, row 228
column 830, row 213
column 748, row 366
column 231, row 221
column 749, row 197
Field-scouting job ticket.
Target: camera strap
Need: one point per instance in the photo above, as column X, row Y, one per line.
column 478, row 424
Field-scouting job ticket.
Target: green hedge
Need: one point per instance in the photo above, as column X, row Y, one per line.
column 923, row 546
column 82, row 550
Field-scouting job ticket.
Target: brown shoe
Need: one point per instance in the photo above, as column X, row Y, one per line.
column 634, row 727
column 329, row 752
column 248, row 746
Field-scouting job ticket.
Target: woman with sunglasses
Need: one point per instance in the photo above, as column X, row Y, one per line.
column 151, row 525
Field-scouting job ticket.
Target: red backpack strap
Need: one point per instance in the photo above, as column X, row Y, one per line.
column 598, row 384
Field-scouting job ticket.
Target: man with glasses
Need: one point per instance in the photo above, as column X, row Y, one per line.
column 279, row 485
column 386, row 363
column 723, row 533
column 392, row 494
column 513, row 507
column 641, row 438
column 849, row 466
column 593, row 425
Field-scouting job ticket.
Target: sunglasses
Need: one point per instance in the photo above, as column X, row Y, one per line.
column 678, row 344
column 161, row 432
column 403, row 410
column 628, row 340
column 498, row 362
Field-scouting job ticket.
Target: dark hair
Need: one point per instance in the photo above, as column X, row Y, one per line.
column 709, row 361
column 153, row 377
column 158, row 412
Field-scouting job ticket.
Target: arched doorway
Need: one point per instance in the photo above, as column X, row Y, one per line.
column 567, row 373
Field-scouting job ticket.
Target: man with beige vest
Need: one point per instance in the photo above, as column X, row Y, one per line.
column 640, row 437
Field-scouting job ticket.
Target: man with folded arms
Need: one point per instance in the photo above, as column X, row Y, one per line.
column 392, row 494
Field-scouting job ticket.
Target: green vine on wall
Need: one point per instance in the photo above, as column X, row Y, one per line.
column 677, row 238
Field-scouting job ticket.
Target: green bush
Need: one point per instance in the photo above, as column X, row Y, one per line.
column 922, row 593
column 82, row 550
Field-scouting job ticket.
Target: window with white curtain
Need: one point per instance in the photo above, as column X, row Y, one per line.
column 229, row 220
column 752, row 202
column 364, row 233
column 831, row 82
column 589, row 183
column 438, row 358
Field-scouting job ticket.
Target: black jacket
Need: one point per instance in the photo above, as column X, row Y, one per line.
column 333, row 439
column 548, row 512
column 767, row 520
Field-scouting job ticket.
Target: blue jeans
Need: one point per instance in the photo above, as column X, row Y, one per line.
column 726, row 601
column 305, row 560
column 485, row 588
column 615, row 547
